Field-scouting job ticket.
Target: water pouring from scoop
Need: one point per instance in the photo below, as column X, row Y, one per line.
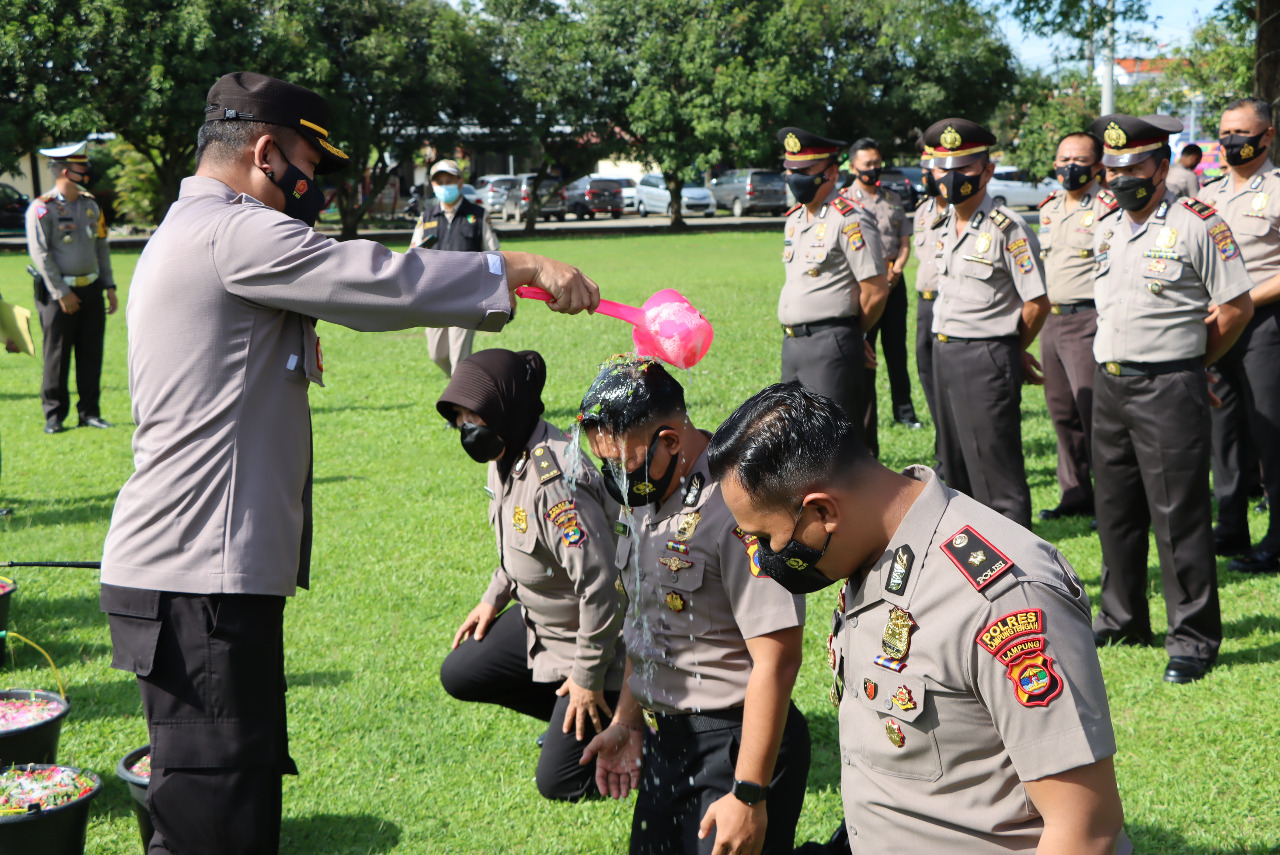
column 667, row 326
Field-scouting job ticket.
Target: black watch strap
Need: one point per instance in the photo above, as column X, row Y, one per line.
column 749, row 793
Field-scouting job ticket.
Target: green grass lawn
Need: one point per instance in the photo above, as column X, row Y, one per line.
column 402, row 552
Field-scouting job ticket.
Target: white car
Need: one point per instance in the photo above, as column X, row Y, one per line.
column 653, row 197
column 1014, row 188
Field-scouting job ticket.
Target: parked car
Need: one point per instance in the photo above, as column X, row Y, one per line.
column 589, row 196
column 13, row 208
column 551, row 200
column 897, row 179
column 749, row 191
column 915, row 175
column 653, row 197
column 470, row 193
column 1016, row 189
column 628, row 186
column 493, row 191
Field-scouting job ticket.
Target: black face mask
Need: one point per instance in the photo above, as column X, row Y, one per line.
column 805, row 187
column 795, row 566
column 1241, row 149
column 480, row 442
column 931, row 185
column 956, row 186
column 1132, row 194
column 1073, row 176
column 641, row 489
column 303, row 198
column 870, row 176
column 80, row 179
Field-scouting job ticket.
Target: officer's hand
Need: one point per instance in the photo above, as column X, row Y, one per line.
column 112, row 302
column 1032, row 370
column 1214, row 400
column 10, row 345
column 478, row 621
column 572, row 292
column 739, row 826
column 583, row 704
column 70, row 304
column 869, row 355
column 617, row 754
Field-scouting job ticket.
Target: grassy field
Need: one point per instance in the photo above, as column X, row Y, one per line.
column 402, row 552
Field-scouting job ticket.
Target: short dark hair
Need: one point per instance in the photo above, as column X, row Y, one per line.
column 223, row 142
column 1093, row 140
column 629, row 394
column 1191, row 148
column 783, row 441
column 1261, row 108
column 865, row 144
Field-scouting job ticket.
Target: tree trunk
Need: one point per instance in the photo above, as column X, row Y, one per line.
column 675, row 184
column 169, row 178
column 535, row 203
column 1266, row 66
column 35, row 174
column 349, row 211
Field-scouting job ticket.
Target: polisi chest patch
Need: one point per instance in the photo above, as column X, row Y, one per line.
column 979, row 561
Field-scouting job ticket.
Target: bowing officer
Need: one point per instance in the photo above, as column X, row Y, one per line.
column 1173, row 296
column 928, row 224
column 705, row 728
column 1247, row 198
column 991, row 307
column 1068, row 220
column 836, row 285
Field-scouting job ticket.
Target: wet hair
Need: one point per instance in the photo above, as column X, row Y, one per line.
column 629, row 394
column 1093, row 140
column 1261, row 108
column 864, row 144
column 784, row 441
column 225, row 141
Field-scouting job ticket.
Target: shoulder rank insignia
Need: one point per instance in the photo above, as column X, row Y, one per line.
column 1002, row 222
column 843, row 206
column 547, row 466
column 1035, row 683
column 792, row 209
column 1108, row 200
column 1048, row 199
column 903, row 558
column 1200, row 209
column 1000, row 632
column 694, row 491
column 979, row 561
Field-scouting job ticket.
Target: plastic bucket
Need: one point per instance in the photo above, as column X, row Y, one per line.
column 56, row 831
column 137, row 789
column 4, row 610
column 35, row 743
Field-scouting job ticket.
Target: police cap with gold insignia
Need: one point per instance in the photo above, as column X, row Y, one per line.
column 1127, row 140
column 926, row 153
column 958, row 142
column 252, row 97
column 804, row 149
column 74, row 153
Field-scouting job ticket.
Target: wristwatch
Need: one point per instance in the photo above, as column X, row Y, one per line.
column 749, row 793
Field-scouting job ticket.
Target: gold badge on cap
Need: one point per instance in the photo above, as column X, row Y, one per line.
column 1168, row 238
column 1114, row 136
column 897, row 633
column 791, row 143
column 520, row 520
column 950, row 139
column 688, row 526
column 984, row 242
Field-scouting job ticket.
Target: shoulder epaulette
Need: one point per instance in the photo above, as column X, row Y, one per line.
column 1108, row 200
column 1048, row 199
column 976, row 557
column 87, row 194
column 1003, row 223
column 1200, row 209
column 1215, row 179
column 843, row 206
column 546, row 467
column 792, row 209
column 47, row 196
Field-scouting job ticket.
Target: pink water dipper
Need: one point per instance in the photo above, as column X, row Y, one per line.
column 667, row 326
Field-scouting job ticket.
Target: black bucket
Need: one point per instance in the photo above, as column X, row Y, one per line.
column 137, row 789
column 56, row 831
column 4, row 611
column 35, row 743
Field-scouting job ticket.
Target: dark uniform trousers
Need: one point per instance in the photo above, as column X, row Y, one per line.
column 924, row 369
column 1066, row 354
column 210, row 669
column 495, row 670
column 1248, row 424
column 829, row 362
column 1151, row 471
column 689, row 764
column 82, row 333
column 891, row 330
column 978, row 389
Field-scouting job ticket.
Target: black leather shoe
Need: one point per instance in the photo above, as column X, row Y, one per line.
column 1184, row 669
column 1106, row 639
column 1232, row 545
column 542, row 738
column 913, row 423
column 1093, row 524
column 1060, row 512
column 96, row 422
column 1258, row 561
column 54, row 427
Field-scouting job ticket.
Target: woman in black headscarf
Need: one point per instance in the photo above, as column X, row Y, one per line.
column 556, row 655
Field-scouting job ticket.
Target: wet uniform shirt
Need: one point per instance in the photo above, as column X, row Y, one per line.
column 986, row 273
column 692, row 598
column 890, row 216
column 1253, row 213
column 1154, row 285
column 68, row 239
column 557, row 562
column 1067, row 230
column 824, row 259
column 929, row 222
column 968, row 667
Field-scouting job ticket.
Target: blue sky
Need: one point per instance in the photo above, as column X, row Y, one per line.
column 1173, row 21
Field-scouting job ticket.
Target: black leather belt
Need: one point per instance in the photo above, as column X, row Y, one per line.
column 801, row 330
column 929, row 295
column 693, row 722
column 1150, row 369
column 951, row 339
column 1072, row 308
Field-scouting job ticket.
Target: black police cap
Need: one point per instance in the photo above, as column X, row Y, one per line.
column 958, row 142
column 803, row 149
column 1127, row 140
column 252, row 97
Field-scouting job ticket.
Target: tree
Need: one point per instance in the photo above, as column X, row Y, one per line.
column 1083, row 21
column 1047, row 112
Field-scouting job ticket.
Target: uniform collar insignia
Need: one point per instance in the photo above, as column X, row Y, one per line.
column 976, row 220
column 1256, row 182
column 822, row 212
column 1085, row 200
column 694, row 490
column 1162, row 210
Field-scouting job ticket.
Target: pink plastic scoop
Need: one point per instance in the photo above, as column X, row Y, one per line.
column 667, row 326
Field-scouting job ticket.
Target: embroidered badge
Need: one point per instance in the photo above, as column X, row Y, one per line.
column 558, row 508
column 1019, row 648
column 1000, row 632
column 903, row 559
column 853, row 232
column 965, row 545
column 1222, row 238
column 1018, row 244
column 1035, row 683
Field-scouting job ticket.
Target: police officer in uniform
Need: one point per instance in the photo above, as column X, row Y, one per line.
column 1183, row 180
column 705, row 728
column 973, row 715
column 928, row 222
column 1173, row 296
column 67, row 242
column 1068, row 220
column 991, row 307
column 456, row 224
column 836, row 285
column 894, row 228
column 556, row 655
column 1247, row 198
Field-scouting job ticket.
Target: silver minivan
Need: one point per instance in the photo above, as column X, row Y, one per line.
column 750, row 191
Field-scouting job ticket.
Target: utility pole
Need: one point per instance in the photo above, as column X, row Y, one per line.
column 1109, row 61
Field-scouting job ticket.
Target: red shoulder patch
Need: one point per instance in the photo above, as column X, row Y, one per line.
column 1200, row 209
column 1003, row 630
column 979, row 561
column 1035, row 683
column 793, row 209
column 1048, row 199
column 1108, row 200
column 843, row 206
column 41, row 209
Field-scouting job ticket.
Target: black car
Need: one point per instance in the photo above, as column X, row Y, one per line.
column 13, row 208
column 903, row 181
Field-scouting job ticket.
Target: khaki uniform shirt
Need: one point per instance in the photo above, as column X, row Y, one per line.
column 824, row 258
column 487, row 236
column 993, row 681
column 222, row 350
column 1154, row 285
column 929, row 221
column 985, row 274
column 556, row 553
column 890, row 215
column 68, row 239
column 1182, row 181
column 1066, row 242
column 693, row 600
column 1253, row 213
